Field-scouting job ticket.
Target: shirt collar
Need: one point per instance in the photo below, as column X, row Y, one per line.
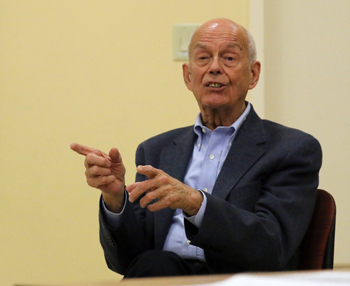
column 199, row 128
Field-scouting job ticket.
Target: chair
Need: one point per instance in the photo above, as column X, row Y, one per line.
column 317, row 247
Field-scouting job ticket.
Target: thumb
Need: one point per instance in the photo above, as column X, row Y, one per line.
column 131, row 187
column 115, row 156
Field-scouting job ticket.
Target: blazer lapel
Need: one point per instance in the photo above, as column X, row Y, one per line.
column 174, row 161
column 248, row 146
column 174, row 158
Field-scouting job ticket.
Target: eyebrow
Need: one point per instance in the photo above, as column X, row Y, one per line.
column 201, row 46
column 233, row 45
column 230, row 45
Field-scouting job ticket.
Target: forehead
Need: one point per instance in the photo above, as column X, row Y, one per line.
column 224, row 35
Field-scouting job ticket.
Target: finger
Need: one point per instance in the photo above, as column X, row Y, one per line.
column 84, row 150
column 149, row 197
column 100, row 181
column 131, row 187
column 157, row 179
column 115, row 155
column 95, row 171
column 164, row 193
column 137, row 189
column 93, row 159
column 165, row 200
column 155, row 188
column 157, row 206
column 148, row 171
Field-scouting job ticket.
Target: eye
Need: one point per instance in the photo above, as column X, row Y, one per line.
column 202, row 59
column 229, row 59
column 203, row 56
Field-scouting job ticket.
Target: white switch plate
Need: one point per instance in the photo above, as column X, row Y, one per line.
column 181, row 38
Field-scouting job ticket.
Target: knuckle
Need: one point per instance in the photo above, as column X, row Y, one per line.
column 91, row 171
column 90, row 182
column 86, row 163
column 89, row 157
column 172, row 200
column 150, row 196
column 107, row 179
column 163, row 180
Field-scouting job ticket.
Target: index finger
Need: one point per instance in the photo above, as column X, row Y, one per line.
column 84, row 150
column 148, row 170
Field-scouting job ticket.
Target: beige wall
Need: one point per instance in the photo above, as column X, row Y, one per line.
column 101, row 73
column 97, row 72
column 307, row 70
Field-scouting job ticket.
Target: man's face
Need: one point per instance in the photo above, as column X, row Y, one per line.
column 218, row 72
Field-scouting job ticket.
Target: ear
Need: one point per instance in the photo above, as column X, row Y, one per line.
column 187, row 75
column 254, row 74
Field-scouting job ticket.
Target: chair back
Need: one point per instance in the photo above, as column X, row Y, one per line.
column 317, row 247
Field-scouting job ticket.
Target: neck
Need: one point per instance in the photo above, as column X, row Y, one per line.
column 213, row 118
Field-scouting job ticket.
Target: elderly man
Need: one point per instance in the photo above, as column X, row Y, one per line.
column 232, row 193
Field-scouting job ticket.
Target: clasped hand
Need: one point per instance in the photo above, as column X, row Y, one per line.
column 107, row 173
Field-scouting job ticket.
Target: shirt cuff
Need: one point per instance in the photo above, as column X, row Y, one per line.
column 197, row 219
column 113, row 220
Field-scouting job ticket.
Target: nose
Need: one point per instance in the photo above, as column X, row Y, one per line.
column 215, row 67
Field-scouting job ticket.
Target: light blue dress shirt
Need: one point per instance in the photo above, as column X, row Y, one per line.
column 209, row 153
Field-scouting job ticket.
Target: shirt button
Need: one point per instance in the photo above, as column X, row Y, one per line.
column 211, row 157
column 199, row 145
column 203, row 130
column 188, row 242
column 205, row 190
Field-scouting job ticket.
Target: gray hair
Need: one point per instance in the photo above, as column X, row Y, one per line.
column 251, row 47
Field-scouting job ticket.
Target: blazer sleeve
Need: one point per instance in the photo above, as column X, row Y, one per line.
column 261, row 223
column 130, row 239
column 136, row 232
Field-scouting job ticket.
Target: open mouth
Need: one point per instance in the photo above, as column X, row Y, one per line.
column 215, row 85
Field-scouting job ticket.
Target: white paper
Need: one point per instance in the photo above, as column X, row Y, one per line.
column 314, row 278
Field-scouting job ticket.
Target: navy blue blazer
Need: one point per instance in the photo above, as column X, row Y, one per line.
column 257, row 214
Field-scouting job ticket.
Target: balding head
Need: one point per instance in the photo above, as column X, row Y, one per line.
column 220, row 27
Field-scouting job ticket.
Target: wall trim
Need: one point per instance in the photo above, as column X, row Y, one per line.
column 256, row 28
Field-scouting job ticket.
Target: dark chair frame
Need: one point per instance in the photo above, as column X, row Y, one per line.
column 317, row 247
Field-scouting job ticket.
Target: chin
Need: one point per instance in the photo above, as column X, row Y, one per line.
column 216, row 101
column 215, row 105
